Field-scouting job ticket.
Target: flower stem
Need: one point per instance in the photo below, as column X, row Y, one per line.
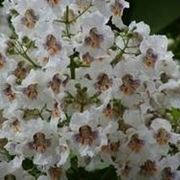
column 24, row 54
column 30, row 60
column 79, row 15
column 120, row 54
column 72, row 67
column 67, row 22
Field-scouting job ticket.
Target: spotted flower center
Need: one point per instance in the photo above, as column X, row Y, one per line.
column 167, row 174
column 20, row 72
column 87, row 58
column 150, row 58
column 113, row 110
column 108, row 111
column 2, row 61
column 31, row 91
column 86, row 136
column 9, row 92
column 162, row 136
column 111, row 148
column 94, row 39
column 40, row 143
column 136, row 144
column 126, row 170
column 117, row 8
column 52, row 45
column 149, row 168
column 103, row 82
column 55, row 84
column 29, row 19
column 53, row 2
column 129, row 85
column 55, row 173
column 56, row 112
column 15, row 125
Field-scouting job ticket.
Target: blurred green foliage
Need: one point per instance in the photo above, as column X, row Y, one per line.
column 157, row 13
column 163, row 16
column 173, row 32
column 78, row 173
column 1, row 1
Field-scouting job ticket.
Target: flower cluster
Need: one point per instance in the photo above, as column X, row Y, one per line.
column 76, row 82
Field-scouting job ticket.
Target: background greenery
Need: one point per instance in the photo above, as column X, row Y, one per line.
column 163, row 16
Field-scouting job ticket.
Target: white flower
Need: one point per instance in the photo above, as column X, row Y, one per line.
column 98, row 93
column 12, row 169
column 171, row 99
column 97, row 38
column 154, row 49
column 87, row 136
column 133, row 118
column 29, row 18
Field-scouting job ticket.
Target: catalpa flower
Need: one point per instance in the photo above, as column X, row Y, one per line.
column 79, row 89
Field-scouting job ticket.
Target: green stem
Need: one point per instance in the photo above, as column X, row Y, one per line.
column 72, row 67
column 117, row 58
column 123, row 50
column 79, row 15
column 24, row 54
column 67, row 22
column 30, row 60
column 120, row 54
column 81, row 107
column 60, row 21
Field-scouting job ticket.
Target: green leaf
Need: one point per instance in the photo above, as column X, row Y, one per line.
column 175, row 119
column 1, row 1
column 27, row 164
column 175, row 114
column 79, row 173
column 109, row 174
